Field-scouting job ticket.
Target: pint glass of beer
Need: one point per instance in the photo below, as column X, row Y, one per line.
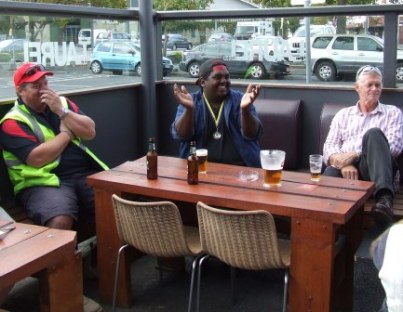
column 315, row 165
column 202, row 156
column 272, row 163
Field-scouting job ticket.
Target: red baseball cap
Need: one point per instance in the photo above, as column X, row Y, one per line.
column 29, row 72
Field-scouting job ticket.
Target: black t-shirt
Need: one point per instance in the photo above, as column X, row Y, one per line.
column 223, row 149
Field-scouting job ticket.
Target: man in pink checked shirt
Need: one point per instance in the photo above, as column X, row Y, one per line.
column 364, row 141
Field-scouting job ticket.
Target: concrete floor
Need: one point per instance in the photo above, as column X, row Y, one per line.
column 256, row 291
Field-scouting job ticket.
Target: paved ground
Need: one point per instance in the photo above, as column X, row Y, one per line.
column 257, row 291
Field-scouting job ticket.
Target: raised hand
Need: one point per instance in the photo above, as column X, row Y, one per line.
column 251, row 93
column 183, row 96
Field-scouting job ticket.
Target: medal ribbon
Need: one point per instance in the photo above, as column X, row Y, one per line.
column 216, row 119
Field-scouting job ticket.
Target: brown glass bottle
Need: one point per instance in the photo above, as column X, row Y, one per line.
column 152, row 160
column 193, row 165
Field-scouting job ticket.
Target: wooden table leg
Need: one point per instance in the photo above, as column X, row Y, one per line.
column 108, row 244
column 61, row 286
column 353, row 232
column 312, row 248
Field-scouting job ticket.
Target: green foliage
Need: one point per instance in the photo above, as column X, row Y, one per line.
column 169, row 5
column 177, row 57
column 180, row 26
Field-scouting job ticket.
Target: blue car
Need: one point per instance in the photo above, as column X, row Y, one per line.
column 119, row 56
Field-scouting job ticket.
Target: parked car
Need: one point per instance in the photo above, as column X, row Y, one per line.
column 167, row 64
column 335, row 55
column 176, row 41
column 12, row 50
column 235, row 56
column 85, row 34
column 220, row 37
column 296, row 44
column 110, row 35
column 118, row 56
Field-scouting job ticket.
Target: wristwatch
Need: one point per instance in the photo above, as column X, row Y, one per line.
column 65, row 111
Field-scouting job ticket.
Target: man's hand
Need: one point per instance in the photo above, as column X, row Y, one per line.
column 342, row 159
column 250, row 95
column 349, row 172
column 52, row 100
column 183, row 96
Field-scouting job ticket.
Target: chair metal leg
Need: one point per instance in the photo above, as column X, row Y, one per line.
column 233, row 285
column 286, row 275
column 198, row 281
column 195, row 263
column 159, row 265
column 115, row 284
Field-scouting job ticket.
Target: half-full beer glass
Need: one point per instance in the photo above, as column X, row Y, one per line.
column 315, row 165
column 202, row 155
column 272, row 163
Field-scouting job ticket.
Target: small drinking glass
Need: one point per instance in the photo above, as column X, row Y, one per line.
column 315, row 165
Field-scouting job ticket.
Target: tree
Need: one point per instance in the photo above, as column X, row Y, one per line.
column 170, row 26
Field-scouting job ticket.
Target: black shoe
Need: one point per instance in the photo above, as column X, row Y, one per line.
column 382, row 211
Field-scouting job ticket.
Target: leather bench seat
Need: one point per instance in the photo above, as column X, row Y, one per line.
column 282, row 121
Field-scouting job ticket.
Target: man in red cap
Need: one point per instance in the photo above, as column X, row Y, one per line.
column 42, row 144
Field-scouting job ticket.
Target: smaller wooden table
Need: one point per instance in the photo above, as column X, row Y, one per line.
column 50, row 253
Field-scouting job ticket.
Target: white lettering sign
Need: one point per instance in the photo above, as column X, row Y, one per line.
column 54, row 54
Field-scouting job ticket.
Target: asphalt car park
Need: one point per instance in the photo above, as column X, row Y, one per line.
column 235, row 56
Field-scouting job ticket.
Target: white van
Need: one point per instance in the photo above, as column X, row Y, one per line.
column 84, row 35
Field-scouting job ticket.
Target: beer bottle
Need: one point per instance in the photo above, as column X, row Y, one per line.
column 193, row 165
column 152, row 160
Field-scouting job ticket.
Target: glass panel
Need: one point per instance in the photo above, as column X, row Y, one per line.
column 65, row 46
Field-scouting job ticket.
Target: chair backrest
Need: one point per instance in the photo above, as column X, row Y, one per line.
column 152, row 227
column 242, row 239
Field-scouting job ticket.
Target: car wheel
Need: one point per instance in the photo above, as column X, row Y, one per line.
column 399, row 72
column 137, row 69
column 174, row 47
column 96, row 67
column 326, row 71
column 189, row 46
column 256, row 70
column 194, row 69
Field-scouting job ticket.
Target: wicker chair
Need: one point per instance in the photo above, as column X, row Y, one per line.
column 242, row 239
column 154, row 228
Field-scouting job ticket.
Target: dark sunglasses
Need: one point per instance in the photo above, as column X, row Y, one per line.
column 32, row 70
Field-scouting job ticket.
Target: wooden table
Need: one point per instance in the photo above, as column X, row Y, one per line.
column 318, row 212
column 50, row 253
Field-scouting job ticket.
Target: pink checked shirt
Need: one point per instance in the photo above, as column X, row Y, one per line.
column 349, row 126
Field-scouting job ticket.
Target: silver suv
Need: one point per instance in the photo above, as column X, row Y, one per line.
column 335, row 55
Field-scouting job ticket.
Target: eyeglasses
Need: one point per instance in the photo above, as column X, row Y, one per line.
column 368, row 69
column 32, row 70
